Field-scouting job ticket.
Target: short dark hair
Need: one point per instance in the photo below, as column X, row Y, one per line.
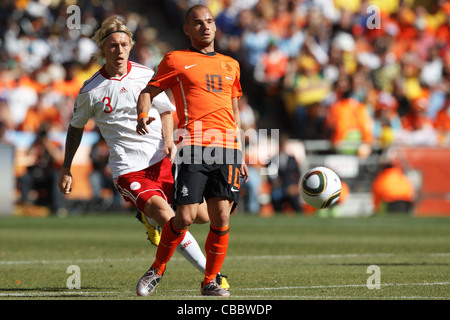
column 191, row 9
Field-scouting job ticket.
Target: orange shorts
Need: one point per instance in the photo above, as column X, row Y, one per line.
column 137, row 187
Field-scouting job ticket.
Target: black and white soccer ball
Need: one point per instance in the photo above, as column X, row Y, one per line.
column 320, row 187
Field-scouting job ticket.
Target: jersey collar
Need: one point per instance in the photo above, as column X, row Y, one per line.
column 206, row 54
column 105, row 74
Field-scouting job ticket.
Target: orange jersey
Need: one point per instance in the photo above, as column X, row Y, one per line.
column 442, row 121
column 349, row 115
column 392, row 185
column 203, row 86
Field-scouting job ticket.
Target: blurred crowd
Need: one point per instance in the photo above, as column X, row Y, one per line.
column 363, row 75
column 375, row 73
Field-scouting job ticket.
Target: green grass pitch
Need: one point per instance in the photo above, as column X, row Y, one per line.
column 275, row 258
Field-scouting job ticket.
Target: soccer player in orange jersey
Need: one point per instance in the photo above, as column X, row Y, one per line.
column 209, row 164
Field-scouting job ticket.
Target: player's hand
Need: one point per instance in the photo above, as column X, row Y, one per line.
column 65, row 181
column 244, row 172
column 141, row 127
column 171, row 150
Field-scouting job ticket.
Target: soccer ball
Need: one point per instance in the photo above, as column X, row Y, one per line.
column 320, row 187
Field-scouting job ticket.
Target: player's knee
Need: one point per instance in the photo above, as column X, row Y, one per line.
column 183, row 221
column 185, row 217
column 159, row 210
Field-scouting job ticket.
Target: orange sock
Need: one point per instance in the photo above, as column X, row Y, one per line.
column 171, row 237
column 216, row 249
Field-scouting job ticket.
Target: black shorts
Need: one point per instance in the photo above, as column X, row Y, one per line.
column 206, row 172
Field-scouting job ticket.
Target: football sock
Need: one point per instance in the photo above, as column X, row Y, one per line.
column 190, row 249
column 216, row 249
column 171, row 237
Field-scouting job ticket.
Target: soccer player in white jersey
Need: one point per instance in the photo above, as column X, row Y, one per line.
column 141, row 169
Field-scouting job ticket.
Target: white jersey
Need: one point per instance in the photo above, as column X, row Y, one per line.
column 111, row 102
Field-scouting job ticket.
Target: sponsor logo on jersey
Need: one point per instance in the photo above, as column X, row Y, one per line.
column 123, row 90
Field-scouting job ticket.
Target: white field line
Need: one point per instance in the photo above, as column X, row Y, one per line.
column 80, row 293
column 262, row 257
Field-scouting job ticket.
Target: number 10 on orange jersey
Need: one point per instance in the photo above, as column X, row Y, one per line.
column 234, row 176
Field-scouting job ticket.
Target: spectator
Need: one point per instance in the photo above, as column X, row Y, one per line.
column 69, row 86
column 43, row 175
column 255, row 42
column 387, row 123
column 442, row 123
column 19, row 100
column 251, row 189
column 409, row 53
column 410, row 76
column 392, row 191
column 418, row 128
column 271, row 69
column 228, row 28
column 101, row 178
column 281, row 19
column 42, row 112
column 269, row 75
column 5, row 114
column 285, row 182
column 348, row 122
column 306, row 89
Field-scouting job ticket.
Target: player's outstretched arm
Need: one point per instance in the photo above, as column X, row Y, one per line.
column 143, row 107
column 167, row 129
column 73, row 140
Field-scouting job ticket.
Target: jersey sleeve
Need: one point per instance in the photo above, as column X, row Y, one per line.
column 162, row 103
column 237, row 89
column 165, row 75
column 81, row 111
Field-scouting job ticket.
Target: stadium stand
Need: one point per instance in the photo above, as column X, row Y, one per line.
column 380, row 68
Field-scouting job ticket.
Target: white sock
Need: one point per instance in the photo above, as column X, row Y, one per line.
column 190, row 249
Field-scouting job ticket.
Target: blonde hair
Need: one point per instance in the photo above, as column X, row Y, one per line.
column 110, row 25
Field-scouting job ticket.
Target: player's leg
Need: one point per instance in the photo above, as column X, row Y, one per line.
column 221, row 193
column 151, row 197
column 189, row 247
column 171, row 239
column 152, row 227
column 216, row 243
column 203, row 217
column 157, row 209
column 202, row 214
column 189, row 183
column 173, row 235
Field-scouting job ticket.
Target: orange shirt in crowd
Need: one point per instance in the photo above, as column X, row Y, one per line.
column 391, row 185
column 68, row 87
column 442, row 124
column 27, row 81
column 442, row 121
column 416, row 121
column 275, row 63
column 35, row 117
column 347, row 116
